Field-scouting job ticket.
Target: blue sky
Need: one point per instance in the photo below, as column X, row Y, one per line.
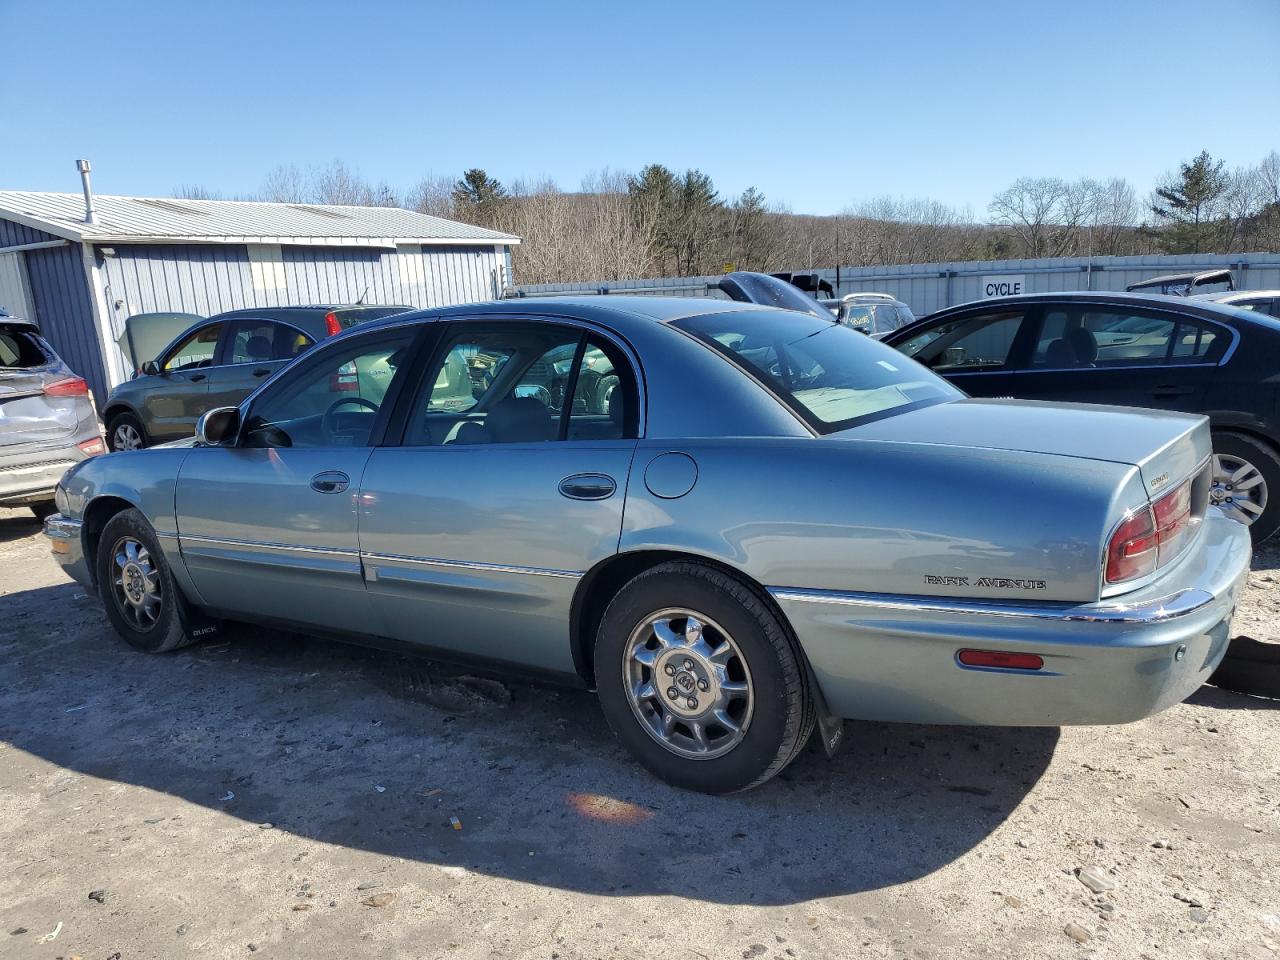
column 817, row 105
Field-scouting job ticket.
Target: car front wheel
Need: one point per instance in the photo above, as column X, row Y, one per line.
column 125, row 432
column 700, row 681
column 1246, row 482
column 142, row 600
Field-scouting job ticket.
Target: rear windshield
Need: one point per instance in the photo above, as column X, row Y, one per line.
column 21, row 348
column 350, row 316
column 831, row 375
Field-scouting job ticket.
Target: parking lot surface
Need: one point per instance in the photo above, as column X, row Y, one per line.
column 268, row 794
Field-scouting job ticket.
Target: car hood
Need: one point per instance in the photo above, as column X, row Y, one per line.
column 146, row 334
column 1164, row 446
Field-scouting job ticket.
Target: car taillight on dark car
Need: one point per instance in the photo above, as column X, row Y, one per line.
column 332, row 325
column 1152, row 537
column 71, row 387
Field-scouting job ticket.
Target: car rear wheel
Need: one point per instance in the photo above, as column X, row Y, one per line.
column 142, row 600
column 125, row 433
column 700, row 680
column 1246, row 482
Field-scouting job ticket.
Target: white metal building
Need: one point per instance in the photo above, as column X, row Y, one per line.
column 79, row 272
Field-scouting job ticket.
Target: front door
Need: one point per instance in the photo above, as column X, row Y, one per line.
column 975, row 351
column 177, row 395
column 1126, row 356
column 507, row 487
column 268, row 527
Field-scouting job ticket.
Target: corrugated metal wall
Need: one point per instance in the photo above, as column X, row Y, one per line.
column 211, row 278
column 927, row 287
column 62, row 306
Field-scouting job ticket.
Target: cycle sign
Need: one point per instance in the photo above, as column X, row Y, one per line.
column 1004, row 286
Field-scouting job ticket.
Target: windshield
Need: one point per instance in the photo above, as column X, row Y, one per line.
column 831, row 375
column 877, row 317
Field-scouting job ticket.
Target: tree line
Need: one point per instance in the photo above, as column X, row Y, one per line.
column 660, row 222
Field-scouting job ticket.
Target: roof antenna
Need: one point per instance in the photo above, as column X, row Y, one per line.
column 360, row 302
column 84, row 168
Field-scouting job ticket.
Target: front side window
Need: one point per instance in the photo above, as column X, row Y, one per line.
column 972, row 344
column 196, row 350
column 830, row 375
column 523, row 383
column 333, row 401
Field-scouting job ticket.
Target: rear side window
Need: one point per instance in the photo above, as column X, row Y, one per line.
column 261, row 341
column 21, row 349
column 1080, row 337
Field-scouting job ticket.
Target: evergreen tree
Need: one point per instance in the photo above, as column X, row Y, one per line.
column 478, row 197
column 1185, row 205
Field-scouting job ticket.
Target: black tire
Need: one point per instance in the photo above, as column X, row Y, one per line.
column 1263, row 456
column 175, row 623
column 45, row 508
column 127, row 420
column 782, row 715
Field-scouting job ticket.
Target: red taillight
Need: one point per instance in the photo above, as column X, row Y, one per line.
column 1150, row 538
column 1001, row 660
column 332, row 324
column 347, row 378
column 72, row 387
column 93, row 448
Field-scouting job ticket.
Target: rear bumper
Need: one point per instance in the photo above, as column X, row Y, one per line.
column 66, row 538
column 35, row 481
column 895, row 658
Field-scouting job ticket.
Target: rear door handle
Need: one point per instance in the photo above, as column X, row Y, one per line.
column 261, row 371
column 1172, row 390
column 588, row 486
column 197, row 377
column 331, row 481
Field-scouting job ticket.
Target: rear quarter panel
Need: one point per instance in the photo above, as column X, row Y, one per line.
column 886, row 517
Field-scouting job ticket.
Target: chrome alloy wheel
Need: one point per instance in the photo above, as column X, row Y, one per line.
column 126, row 437
column 137, row 583
column 688, row 684
column 1238, row 488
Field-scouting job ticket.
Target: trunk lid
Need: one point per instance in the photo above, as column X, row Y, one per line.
column 27, row 415
column 1165, row 447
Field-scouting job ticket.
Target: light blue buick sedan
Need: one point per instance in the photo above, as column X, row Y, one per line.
column 737, row 523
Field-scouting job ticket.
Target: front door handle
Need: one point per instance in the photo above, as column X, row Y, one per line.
column 197, row 377
column 262, row 371
column 331, row 481
column 587, row 486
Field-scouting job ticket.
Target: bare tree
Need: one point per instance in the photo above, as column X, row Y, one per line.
column 1032, row 207
column 286, row 183
column 432, row 195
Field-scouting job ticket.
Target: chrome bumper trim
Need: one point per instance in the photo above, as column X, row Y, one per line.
column 266, row 545
column 1175, row 605
column 470, row 565
column 62, row 528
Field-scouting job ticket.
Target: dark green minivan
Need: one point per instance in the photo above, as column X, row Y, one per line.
column 218, row 362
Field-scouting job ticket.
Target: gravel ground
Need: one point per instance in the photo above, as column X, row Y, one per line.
column 269, row 794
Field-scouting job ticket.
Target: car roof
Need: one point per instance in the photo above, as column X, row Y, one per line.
column 1227, row 296
column 608, row 310
column 309, row 308
column 1183, row 277
column 17, row 321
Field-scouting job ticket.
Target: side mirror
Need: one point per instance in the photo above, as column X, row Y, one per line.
column 150, row 368
column 217, row 426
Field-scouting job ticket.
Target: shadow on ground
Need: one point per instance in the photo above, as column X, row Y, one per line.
column 303, row 733
column 18, row 526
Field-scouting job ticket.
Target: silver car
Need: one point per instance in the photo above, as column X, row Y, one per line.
column 47, row 421
column 771, row 522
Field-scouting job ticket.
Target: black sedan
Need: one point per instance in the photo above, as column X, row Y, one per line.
column 1137, row 350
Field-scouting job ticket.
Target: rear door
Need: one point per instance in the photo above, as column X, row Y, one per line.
column 507, row 487
column 251, row 350
column 268, row 527
column 976, row 350
column 1122, row 355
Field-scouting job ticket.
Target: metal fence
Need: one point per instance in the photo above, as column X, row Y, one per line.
column 927, row 287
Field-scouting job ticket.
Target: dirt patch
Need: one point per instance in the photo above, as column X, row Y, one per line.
column 269, row 794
